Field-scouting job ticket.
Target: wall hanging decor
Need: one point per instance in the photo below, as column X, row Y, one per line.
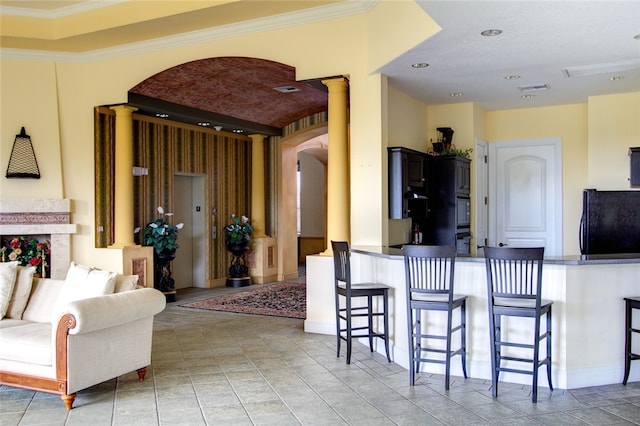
column 23, row 163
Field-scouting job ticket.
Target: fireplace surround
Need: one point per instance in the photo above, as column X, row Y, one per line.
column 50, row 218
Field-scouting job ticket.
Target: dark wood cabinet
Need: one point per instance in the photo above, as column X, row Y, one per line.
column 450, row 206
column 407, row 183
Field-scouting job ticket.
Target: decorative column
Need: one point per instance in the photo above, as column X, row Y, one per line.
column 262, row 255
column 123, row 198
column 257, row 186
column 338, row 205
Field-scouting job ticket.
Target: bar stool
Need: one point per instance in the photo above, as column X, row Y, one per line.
column 631, row 304
column 345, row 327
column 429, row 282
column 514, row 284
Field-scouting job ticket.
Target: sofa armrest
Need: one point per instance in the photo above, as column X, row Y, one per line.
column 110, row 310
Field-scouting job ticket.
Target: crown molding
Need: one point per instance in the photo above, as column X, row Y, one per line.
column 298, row 18
column 60, row 12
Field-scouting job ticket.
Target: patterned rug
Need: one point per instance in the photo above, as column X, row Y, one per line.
column 279, row 300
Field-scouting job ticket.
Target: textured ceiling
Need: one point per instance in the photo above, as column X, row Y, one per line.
column 237, row 87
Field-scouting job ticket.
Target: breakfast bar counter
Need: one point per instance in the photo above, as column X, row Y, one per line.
column 587, row 321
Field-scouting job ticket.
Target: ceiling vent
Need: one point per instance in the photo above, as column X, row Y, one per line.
column 286, row 89
column 606, row 68
column 534, row 88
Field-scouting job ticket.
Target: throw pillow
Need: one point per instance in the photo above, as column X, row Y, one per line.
column 21, row 292
column 8, row 271
column 125, row 283
column 83, row 282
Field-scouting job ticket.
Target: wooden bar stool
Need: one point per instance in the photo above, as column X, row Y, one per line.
column 631, row 304
column 514, row 284
column 362, row 292
column 429, row 283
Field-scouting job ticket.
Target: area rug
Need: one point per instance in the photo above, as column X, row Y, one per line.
column 280, row 300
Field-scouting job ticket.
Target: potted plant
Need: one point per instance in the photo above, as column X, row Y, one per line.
column 238, row 232
column 237, row 238
column 163, row 237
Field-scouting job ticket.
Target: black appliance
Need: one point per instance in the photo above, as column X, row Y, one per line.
column 610, row 222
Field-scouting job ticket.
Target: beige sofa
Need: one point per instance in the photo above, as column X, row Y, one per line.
column 66, row 339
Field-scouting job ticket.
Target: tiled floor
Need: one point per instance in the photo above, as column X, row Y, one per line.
column 232, row 369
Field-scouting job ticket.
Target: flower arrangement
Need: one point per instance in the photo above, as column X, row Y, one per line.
column 29, row 251
column 160, row 234
column 239, row 231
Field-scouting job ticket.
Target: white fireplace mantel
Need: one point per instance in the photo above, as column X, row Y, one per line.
column 50, row 217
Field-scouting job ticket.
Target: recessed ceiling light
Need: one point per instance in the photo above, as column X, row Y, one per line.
column 512, row 77
column 491, row 32
column 204, row 124
column 420, row 65
column 455, row 94
column 238, row 131
column 286, row 89
column 616, row 78
column 162, row 115
column 528, row 96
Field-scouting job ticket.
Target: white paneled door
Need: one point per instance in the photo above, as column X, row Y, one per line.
column 525, row 194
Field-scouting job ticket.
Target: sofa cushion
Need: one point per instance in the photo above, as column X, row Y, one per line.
column 10, row 322
column 44, row 294
column 21, row 292
column 28, row 343
column 125, row 283
column 83, row 282
column 8, row 271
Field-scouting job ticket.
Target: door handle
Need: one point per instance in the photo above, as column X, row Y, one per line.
column 502, row 245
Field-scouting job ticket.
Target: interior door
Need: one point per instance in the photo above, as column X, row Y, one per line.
column 525, row 185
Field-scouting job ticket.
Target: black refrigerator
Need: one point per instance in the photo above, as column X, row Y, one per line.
column 610, row 222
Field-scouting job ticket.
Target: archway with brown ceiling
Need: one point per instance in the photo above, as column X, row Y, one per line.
column 244, row 95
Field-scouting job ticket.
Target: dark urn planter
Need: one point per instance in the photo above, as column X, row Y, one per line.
column 238, row 275
column 163, row 280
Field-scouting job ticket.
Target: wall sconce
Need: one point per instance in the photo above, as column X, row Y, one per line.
column 22, row 162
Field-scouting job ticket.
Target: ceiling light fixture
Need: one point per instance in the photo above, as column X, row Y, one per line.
column 204, row 124
column 420, row 65
column 286, row 89
column 616, row 78
column 162, row 115
column 637, row 36
column 238, row 131
column 491, row 33
column 455, row 94
column 534, row 88
column 512, row 77
column 528, row 96
column 218, row 128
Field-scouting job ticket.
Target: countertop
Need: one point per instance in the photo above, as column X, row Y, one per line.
column 592, row 259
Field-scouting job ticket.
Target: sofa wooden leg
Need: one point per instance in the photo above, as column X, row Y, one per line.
column 141, row 373
column 68, row 400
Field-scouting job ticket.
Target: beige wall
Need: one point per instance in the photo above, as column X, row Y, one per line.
column 614, row 127
column 54, row 99
column 596, row 137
